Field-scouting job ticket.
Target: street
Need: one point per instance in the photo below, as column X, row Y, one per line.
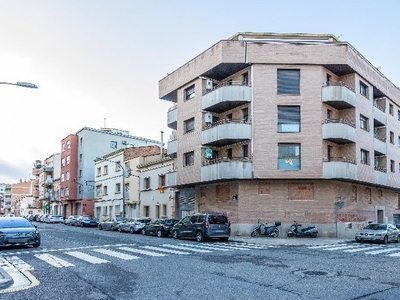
column 86, row 263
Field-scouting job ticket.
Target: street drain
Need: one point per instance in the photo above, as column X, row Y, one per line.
column 314, row 273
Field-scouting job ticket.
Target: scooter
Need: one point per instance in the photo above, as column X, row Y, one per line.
column 295, row 230
column 266, row 229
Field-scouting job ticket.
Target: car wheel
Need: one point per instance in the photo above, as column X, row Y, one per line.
column 112, row 228
column 159, row 233
column 225, row 239
column 119, row 229
column 81, row 224
column 175, row 234
column 199, row 236
column 143, row 231
column 36, row 245
column 385, row 240
column 100, row 227
column 131, row 230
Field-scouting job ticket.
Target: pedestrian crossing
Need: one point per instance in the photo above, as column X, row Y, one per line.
column 391, row 250
column 66, row 257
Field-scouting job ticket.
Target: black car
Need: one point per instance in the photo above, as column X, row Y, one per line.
column 159, row 227
column 18, row 231
column 87, row 221
column 203, row 226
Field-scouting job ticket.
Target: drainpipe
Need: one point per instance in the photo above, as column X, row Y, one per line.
column 162, row 144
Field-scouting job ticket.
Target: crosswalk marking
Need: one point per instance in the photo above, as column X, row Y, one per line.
column 203, row 246
column 165, row 250
column 335, row 248
column 362, row 248
column 382, row 251
column 116, row 254
column 54, row 261
column 86, row 257
column 144, row 252
column 19, row 263
column 227, row 246
column 186, row 248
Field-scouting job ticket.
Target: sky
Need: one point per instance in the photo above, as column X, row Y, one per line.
column 99, row 62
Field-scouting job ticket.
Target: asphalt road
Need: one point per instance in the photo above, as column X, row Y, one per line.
column 86, row 263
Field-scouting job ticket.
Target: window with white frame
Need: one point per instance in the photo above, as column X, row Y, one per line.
column 288, row 81
column 67, row 175
column 62, row 177
column 98, row 191
column 117, row 166
column 190, row 92
column 288, row 118
column 161, row 179
column 105, row 170
column 117, row 188
column 288, row 156
column 62, row 162
column 68, row 144
column 66, row 191
column 146, row 182
column 98, row 171
column 67, row 160
column 105, row 190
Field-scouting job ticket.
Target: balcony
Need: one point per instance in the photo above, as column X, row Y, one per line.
column 340, row 168
column 172, row 117
column 339, row 131
column 379, row 115
column 235, row 168
column 46, row 169
column 380, row 145
column 226, row 97
column 338, row 95
column 381, row 177
column 225, row 133
column 172, row 148
column 171, row 179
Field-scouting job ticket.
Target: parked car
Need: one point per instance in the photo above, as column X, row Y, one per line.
column 378, row 232
column 203, row 226
column 87, row 221
column 134, row 225
column 43, row 218
column 159, row 227
column 111, row 223
column 54, row 219
column 71, row 220
column 18, row 231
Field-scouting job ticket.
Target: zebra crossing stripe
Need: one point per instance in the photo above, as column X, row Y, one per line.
column 225, row 246
column 86, row 257
column 144, row 252
column 185, row 248
column 116, row 254
column 334, row 248
column 325, row 246
column 165, row 250
column 362, row 248
column 203, row 247
column 19, row 263
column 382, row 251
column 54, row 261
column 397, row 254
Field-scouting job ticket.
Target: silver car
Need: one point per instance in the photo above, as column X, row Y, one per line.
column 378, row 232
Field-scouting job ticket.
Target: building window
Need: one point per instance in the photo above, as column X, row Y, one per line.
column 117, row 166
column 190, row 92
column 157, row 211
column 229, row 153
column 245, row 149
column 81, row 141
column 363, row 89
column 66, row 191
column 98, row 172
column 161, row 179
column 62, row 177
column 288, row 156
column 117, row 188
column 146, row 183
column 80, row 157
column 164, row 210
column 67, row 160
column 63, row 162
column 67, row 175
column 245, row 113
column 392, row 166
column 63, row 148
column 146, row 211
column 288, row 82
column 80, row 173
column 105, row 170
column 98, row 191
column 68, row 144
column 188, row 125
column 364, row 157
column 189, row 158
column 105, row 190
column 364, row 123
column 391, row 137
column 288, row 118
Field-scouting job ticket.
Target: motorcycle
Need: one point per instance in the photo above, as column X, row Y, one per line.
column 266, row 229
column 295, row 230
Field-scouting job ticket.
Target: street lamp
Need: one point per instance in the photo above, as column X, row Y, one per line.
column 123, row 181
column 23, row 84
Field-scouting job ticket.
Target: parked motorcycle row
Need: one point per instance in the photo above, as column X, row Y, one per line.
column 295, row 230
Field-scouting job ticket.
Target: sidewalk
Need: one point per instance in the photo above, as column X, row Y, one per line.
column 285, row 241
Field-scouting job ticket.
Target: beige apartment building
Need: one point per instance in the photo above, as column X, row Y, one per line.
column 288, row 127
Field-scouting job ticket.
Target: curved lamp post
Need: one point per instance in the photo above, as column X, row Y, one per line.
column 123, row 182
column 23, row 84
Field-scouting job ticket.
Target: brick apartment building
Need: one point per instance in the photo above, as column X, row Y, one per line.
column 284, row 127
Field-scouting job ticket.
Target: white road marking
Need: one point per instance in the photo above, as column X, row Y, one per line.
column 382, row 251
column 144, row 252
column 227, row 246
column 86, row 257
column 54, row 260
column 20, row 280
column 363, row 248
column 19, row 263
column 165, row 250
column 204, row 247
column 185, row 248
column 394, row 254
column 116, row 254
column 335, row 248
column 324, row 246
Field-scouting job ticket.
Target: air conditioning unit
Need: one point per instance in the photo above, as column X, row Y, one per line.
column 208, row 117
column 209, row 84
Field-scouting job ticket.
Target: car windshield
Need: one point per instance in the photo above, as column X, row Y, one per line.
column 376, row 227
column 15, row 223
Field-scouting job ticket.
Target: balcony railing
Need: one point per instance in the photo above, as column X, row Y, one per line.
column 340, row 167
column 339, row 131
column 226, row 168
column 226, row 132
column 338, row 95
column 172, row 117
